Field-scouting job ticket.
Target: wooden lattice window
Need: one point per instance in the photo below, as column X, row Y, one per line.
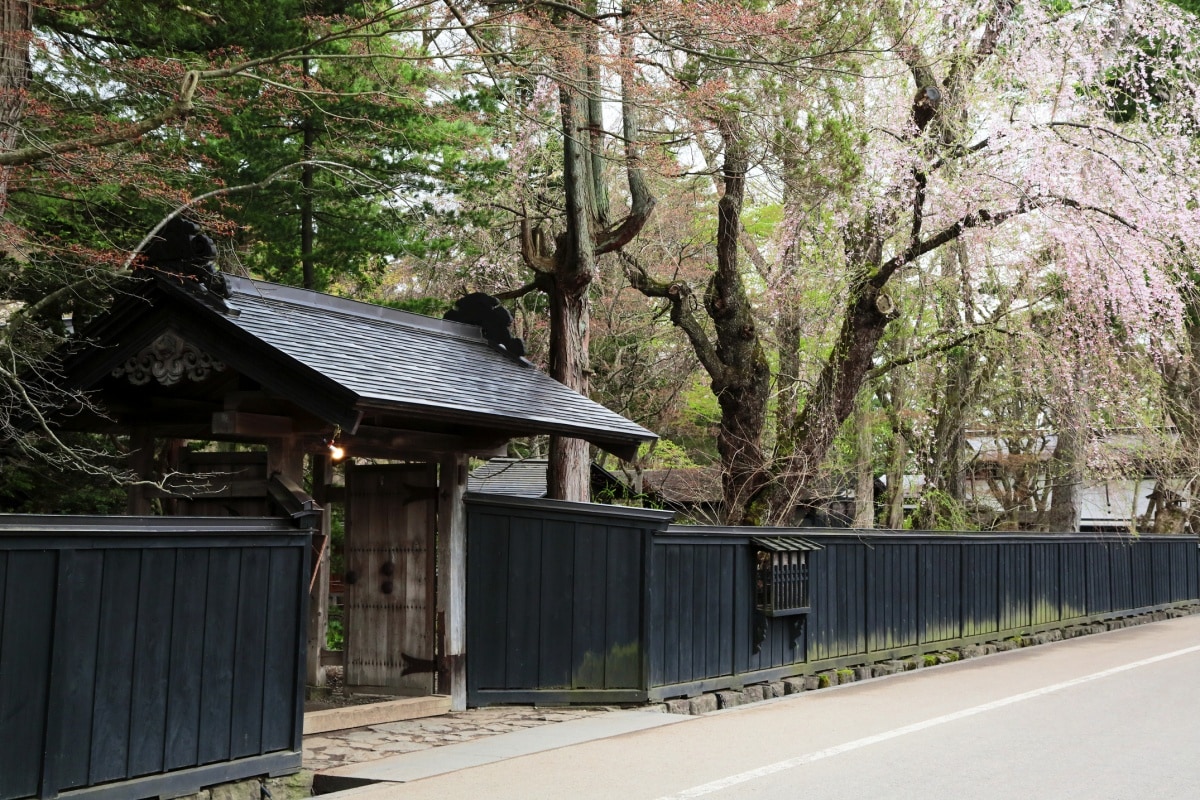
column 781, row 575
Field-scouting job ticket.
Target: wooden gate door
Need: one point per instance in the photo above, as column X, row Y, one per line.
column 391, row 513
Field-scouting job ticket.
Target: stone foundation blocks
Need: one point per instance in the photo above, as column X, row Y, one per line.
column 730, row 699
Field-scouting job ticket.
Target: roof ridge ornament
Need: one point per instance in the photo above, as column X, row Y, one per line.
column 180, row 252
column 485, row 311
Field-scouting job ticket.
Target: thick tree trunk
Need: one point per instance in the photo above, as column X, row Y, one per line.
column 864, row 492
column 16, row 30
column 574, row 271
column 742, row 387
column 1066, row 498
column 735, row 361
column 568, row 470
column 895, row 508
column 943, row 466
column 787, row 383
column 832, row 400
column 1183, row 393
column 588, row 235
column 1066, row 467
column 894, row 398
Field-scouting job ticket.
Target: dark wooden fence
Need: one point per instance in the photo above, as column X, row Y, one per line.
column 578, row 603
column 555, row 599
column 148, row 656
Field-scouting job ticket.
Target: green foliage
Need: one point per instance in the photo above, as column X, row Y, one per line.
column 335, row 631
column 761, row 221
column 1058, row 8
column 1191, row 6
column 939, row 511
column 665, row 454
column 428, row 306
column 37, row 486
column 701, row 403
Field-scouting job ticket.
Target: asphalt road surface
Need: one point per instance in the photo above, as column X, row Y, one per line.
column 1114, row 715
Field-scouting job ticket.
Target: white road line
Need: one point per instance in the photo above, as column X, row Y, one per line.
column 818, row 755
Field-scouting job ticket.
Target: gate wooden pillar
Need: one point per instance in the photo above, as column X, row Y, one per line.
column 452, row 580
column 318, row 601
column 141, row 445
column 285, row 456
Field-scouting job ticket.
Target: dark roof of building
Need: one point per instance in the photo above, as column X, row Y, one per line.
column 526, row 477
column 684, row 485
column 339, row 357
column 394, row 357
column 517, row 477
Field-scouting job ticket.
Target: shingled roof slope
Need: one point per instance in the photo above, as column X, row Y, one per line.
column 518, row 477
column 690, row 485
column 394, row 358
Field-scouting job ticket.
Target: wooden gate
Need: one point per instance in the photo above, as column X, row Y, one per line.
column 391, row 513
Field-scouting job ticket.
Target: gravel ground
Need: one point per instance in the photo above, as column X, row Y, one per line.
column 336, row 696
column 334, row 749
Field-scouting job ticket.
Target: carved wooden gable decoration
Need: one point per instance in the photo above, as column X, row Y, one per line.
column 168, row 360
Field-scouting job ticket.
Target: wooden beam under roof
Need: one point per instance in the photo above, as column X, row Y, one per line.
column 373, row 441
column 241, row 423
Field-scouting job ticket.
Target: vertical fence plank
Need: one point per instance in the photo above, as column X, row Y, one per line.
column 743, row 609
column 286, row 579
column 718, row 572
column 878, row 621
column 216, row 679
column 590, row 574
column 1121, row 575
column 623, row 617
column 656, row 633
column 1160, row 573
column 556, row 607
column 672, row 591
column 700, row 610
column 487, row 622
column 730, row 588
column 687, row 610
column 251, row 628
column 114, row 683
column 187, row 654
column 1073, row 577
column 859, row 600
column 74, row 669
column 524, row 570
column 26, row 636
column 1099, row 579
column 151, row 662
column 1179, row 553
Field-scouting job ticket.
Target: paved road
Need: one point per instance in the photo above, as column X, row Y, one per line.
column 1115, row 715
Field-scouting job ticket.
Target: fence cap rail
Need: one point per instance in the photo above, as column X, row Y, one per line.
column 24, row 524
column 875, row 534
column 538, row 504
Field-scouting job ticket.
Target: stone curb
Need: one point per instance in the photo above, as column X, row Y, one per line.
column 731, row 698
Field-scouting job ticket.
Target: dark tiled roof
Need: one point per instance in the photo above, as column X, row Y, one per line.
column 510, row 476
column 430, row 367
column 687, row 485
column 526, row 477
